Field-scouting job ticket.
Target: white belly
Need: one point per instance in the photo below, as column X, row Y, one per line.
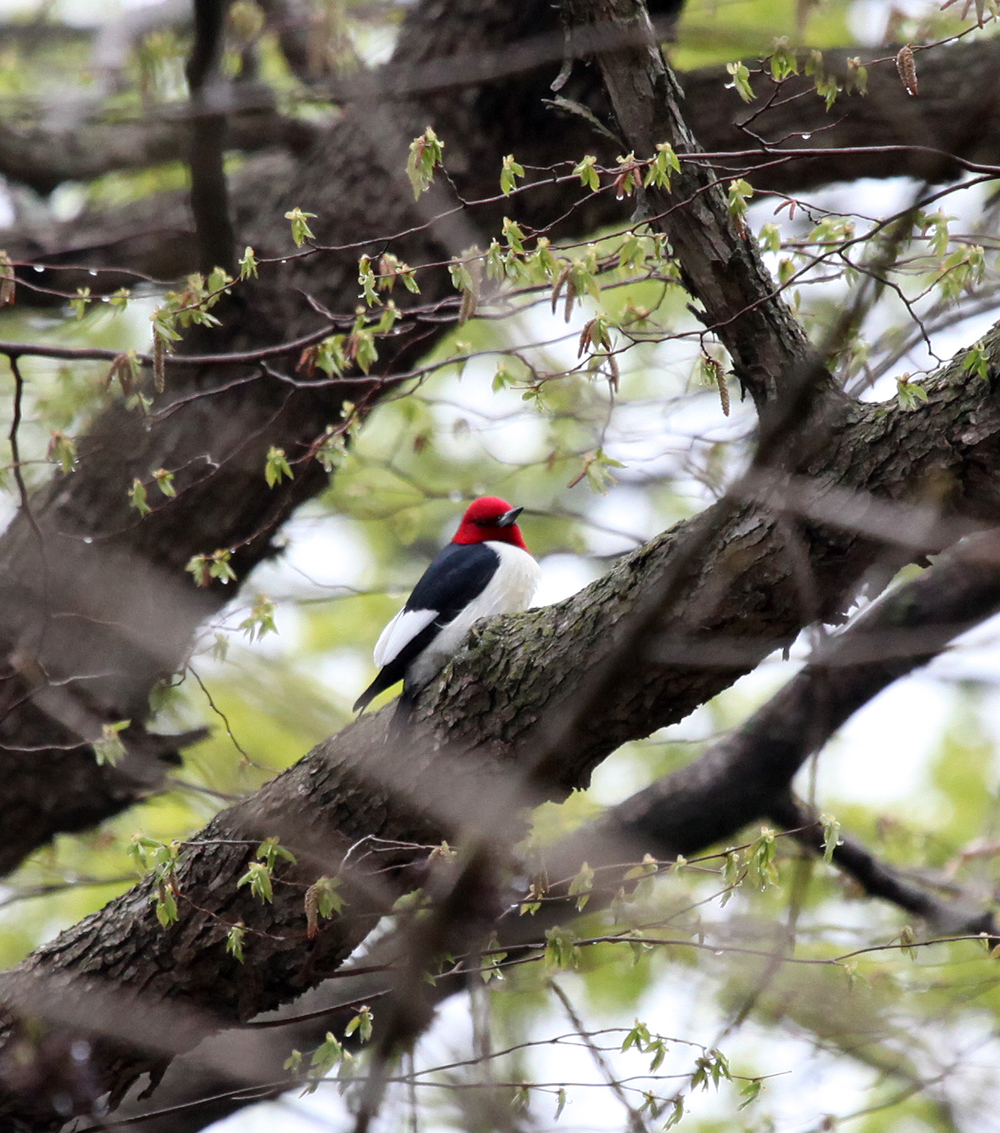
column 509, row 592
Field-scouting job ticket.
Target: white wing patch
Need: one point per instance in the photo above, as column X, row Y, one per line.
column 403, row 628
column 508, row 592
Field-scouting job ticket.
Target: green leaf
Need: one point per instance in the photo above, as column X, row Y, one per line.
column 977, row 361
column 271, row 849
column 301, row 231
column 909, row 393
column 62, row 450
column 561, row 949
column 761, row 865
column 783, row 60
column 676, row 1114
column 712, row 1067
column 663, row 164
column 362, row 1023
column 109, row 749
column 512, row 234
column 276, row 467
column 366, row 277
column 831, row 836
column 425, row 154
column 330, row 356
column 492, row 962
column 638, row 1037
column 234, row 941
column 329, row 901
column 165, row 904
column 749, row 1091
column 740, row 192
column 248, row 263
column 586, row 170
column 219, row 568
column 769, row 237
column 219, row 283
column 137, row 497
column 79, row 304
column 165, row 481
column 260, row 620
column 560, row 1102
column 581, row 885
column 741, row 81
column 258, row 877
column 646, row 867
column 508, row 175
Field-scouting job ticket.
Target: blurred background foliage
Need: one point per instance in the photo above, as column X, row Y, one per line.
column 904, row 1037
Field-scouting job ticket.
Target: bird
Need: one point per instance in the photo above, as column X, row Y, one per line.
column 486, row 569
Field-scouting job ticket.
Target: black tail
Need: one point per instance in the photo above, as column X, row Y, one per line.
column 386, row 678
column 404, row 704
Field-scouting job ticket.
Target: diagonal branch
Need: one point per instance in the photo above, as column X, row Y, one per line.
column 894, row 637
column 480, row 725
column 720, row 263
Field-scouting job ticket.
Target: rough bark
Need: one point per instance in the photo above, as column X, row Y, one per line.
column 43, row 158
column 147, row 558
column 749, row 773
column 479, row 731
column 96, row 603
column 734, row 576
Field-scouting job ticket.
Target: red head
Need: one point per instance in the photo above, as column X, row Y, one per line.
column 489, row 517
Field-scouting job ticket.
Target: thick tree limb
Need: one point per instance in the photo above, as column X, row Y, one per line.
column 753, row 767
column 45, row 157
column 480, row 726
column 103, row 646
column 745, row 587
column 720, row 261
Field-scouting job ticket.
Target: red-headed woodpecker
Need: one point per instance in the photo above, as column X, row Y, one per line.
column 486, row 569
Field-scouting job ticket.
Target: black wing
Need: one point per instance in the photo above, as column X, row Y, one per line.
column 457, row 576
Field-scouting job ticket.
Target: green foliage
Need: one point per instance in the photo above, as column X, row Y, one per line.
column 260, row 621
column 577, row 417
column 276, row 467
column 663, row 164
column 216, row 565
column 741, row 80
column 137, row 498
column 362, row 1023
column 586, row 170
column 910, row 393
column 329, row 901
column 234, row 942
column 301, row 231
column 258, row 877
column 508, row 175
column 328, row 1055
column 109, row 748
column 248, row 264
column 426, row 153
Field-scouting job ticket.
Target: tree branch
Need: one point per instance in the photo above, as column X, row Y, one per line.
column 481, row 724
column 753, row 768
